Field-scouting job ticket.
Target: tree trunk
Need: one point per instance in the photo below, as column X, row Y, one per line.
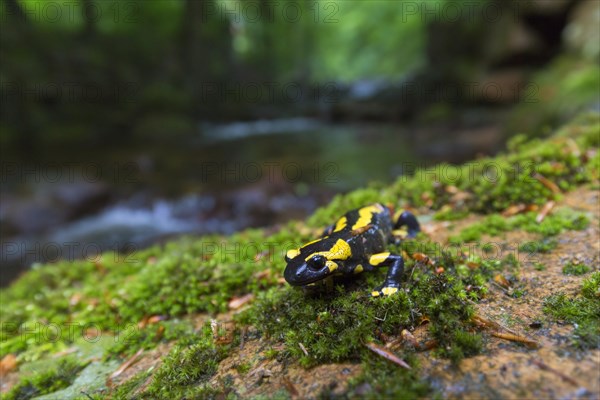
column 88, row 15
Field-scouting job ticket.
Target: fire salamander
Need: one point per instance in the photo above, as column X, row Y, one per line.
column 355, row 243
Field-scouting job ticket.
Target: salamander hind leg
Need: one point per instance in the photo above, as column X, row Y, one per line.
column 394, row 275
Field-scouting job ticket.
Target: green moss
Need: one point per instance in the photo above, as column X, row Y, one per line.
column 114, row 294
column 448, row 214
column 540, row 246
column 591, row 286
column 382, row 379
column 572, row 310
column 511, row 261
column 334, row 326
column 488, row 247
column 185, row 372
column 131, row 340
column 582, row 311
column 313, row 323
column 194, row 276
column 539, row 266
column 67, row 295
column 494, row 225
column 126, row 390
column 243, row 368
column 564, row 218
column 592, row 170
column 575, row 268
column 449, row 316
column 47, row 381
column 466, row 344
column 281, row 394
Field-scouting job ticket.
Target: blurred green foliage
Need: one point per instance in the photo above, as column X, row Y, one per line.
column 94, row 70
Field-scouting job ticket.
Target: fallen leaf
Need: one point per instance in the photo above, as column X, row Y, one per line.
column 502, row 281
column 430, row 344
column 238, row 302
column 423, row 258
column 409, row 338
column 262, row 274
column 7, row 364
column 514, row 209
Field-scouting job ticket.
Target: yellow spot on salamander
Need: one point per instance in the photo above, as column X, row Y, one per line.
column 402, row 232
column 365, row 215
column 339, row 251
column 398, row 213
column 309, row 243
column 341, row 224
column 388, row 291
column 292, row 253
column 375, row 293
column 378, row 258
column 331, row 265
column 358, row 269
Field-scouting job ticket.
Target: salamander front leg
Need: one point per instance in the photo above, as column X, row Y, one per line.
column 408, row 219
column 394, row 274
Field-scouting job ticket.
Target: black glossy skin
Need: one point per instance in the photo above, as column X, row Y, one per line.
column 366, row 233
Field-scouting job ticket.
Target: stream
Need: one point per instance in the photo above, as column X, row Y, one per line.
column 227, row 178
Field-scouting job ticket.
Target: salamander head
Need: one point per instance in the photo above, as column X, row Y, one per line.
column 302, row 270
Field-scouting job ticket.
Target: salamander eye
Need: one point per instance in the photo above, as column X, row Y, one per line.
column 317, row 262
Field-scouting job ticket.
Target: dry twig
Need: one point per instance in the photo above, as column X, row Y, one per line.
column 517, row 338
column 132, row 360
column 387, row 355
column 546, row 367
